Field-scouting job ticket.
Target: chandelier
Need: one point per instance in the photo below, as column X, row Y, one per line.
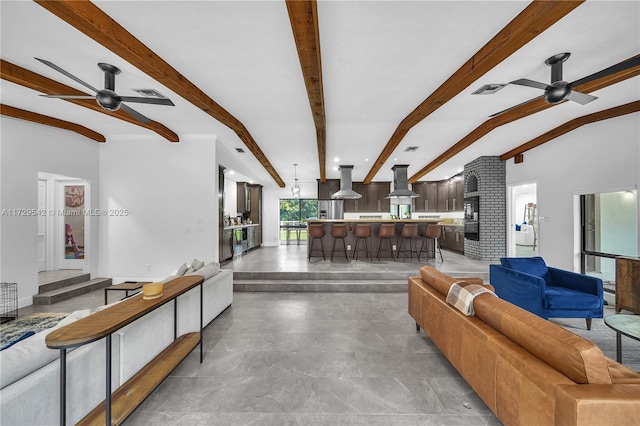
column 295, row 189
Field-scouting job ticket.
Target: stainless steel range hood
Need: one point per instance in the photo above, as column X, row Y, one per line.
column 401, row 193
column 345, row 185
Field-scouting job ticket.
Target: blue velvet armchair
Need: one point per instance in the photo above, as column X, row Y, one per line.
column 545, row 291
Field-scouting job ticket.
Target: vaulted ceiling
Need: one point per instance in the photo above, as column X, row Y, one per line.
column 308, row 83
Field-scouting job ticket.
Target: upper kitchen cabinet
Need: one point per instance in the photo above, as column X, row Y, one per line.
column 327, row 188
column 440, row 196
column 428, row 199
column 358, row 204
column 373, row 198
column 244, row 197
column 456, row 194
column 255, row 196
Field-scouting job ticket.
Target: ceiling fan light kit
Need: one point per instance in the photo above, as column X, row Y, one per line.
column 107, row 98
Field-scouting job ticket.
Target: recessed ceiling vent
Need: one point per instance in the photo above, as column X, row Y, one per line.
column 401, row 194
column 150, row 93
column 345, row 185
column 240, row 150
column 411, row 149
column 488, row 89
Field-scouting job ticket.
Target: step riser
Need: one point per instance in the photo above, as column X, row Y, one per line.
column 344, row 276
column 63, row 283
column 321, row 287
column 50, row 299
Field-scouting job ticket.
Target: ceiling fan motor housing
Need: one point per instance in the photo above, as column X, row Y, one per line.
column 558, row 91
column 108, row 99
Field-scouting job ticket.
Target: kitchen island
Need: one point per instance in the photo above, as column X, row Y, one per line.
column 373, row 240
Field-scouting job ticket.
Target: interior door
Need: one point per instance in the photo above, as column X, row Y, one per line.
column 41, row 236
column 73, row 241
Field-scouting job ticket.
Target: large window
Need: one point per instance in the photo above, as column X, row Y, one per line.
column 293, row 212
column 609, row 229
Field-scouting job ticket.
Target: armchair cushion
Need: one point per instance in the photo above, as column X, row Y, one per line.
column 564, row 298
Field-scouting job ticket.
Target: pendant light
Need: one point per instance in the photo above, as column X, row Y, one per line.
column 295, row 189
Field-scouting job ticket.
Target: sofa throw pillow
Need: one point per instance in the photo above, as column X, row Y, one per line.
column 208, row 270
column 197, row 264
column 182, row 270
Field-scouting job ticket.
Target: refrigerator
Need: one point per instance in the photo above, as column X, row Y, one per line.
column 330, row 209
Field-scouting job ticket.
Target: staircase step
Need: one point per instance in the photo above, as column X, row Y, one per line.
column 70, row 291
column 54, row 285
column 322, row 285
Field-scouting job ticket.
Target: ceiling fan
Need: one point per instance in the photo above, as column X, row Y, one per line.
column 559, row 90
column 107, row 98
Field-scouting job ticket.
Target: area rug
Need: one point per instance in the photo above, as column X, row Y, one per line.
column 12, row 331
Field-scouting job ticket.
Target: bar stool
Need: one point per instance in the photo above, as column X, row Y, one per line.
column 387, row 232
column 409, row 232
column 432, row 232
column 316, row 232
column 362, row 232
column 339, row 232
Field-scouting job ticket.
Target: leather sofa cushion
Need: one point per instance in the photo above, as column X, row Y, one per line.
column 564, row 298
column 622, row 374
column 575, row 357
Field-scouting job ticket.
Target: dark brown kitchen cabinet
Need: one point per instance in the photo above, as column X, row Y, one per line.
column 443, row 196
column 243, row 197
column 327, row 188
column 373, row 198
column 255, row 197
column 427, row 200
column 456, row 195
column 452, row 238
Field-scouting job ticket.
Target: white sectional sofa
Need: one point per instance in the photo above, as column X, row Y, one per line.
column 30, row 372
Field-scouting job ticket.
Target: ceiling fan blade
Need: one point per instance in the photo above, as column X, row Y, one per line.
column 530, row 83
column 514, row 107
column 629, row 63
column 581, row 98
column 141, row 100
column 135, row 114
column 68, row 74
column 69, row 96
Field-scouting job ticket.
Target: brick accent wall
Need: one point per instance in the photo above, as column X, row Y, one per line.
column 490, row 173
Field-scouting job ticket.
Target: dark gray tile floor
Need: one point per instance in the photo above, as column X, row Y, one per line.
column 315, row 359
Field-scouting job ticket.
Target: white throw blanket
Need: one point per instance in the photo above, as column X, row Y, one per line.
column 462, row 294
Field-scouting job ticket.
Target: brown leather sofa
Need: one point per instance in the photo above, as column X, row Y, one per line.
column 528, row 370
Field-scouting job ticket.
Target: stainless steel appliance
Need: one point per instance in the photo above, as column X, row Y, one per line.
column 471, row 218
column 330, row 209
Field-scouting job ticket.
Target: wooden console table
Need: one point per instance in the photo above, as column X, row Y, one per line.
column 103, row 324
column 628, row 284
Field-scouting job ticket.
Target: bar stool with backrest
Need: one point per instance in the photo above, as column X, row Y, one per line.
column 339, row 232
column 362, row 232
column 432, row 232
column 387, row 232
column 409, row 232
column 316, row 232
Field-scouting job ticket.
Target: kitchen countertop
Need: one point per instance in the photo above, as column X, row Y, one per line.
column 373, row 220
column 248, row 225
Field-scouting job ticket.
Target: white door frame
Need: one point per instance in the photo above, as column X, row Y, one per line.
column 41, row 236
column 512, row 219
column 63, row 262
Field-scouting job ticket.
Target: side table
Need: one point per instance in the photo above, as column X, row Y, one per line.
column 126, row 286
column 629, row 325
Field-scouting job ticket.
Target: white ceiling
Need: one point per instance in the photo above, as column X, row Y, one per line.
column 380, row 60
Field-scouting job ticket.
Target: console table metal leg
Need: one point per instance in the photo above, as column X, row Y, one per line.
column 201, row 321
column 107, row 401
column 63, row 387
column 619, row 347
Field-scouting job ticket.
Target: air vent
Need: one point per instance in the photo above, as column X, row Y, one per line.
column 411, row 149
column 150, row 93
column 488, row 89
column 240, row 150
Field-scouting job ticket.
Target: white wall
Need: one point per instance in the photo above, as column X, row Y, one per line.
column 598, row 157
column 26, row 149
column 170, row 192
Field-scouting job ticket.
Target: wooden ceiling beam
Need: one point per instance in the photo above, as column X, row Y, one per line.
column 24, row 77
column 532, row 21
column 303, row 15
column 34, row 117
column 571, row 125
column 94, row 23
column 524, row 110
